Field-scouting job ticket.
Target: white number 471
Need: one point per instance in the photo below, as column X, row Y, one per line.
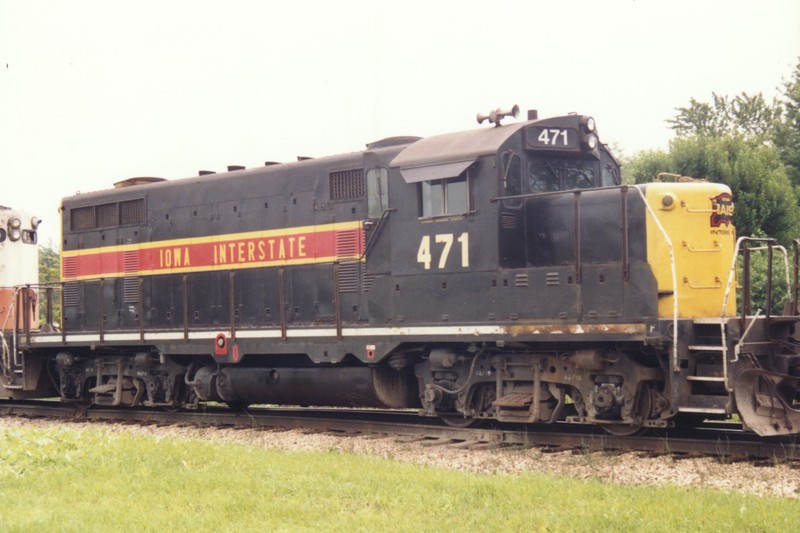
column 550, row 137
column 425, row 255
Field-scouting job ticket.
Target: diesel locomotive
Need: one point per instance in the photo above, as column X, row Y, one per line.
column 503, row 273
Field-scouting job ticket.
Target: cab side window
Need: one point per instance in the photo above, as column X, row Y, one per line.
column 511, row 178
column 377, row 192
column 449, row 196
column 609, row 170
column 609, row 177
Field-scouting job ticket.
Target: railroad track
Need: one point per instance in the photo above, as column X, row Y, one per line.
column 726, row 442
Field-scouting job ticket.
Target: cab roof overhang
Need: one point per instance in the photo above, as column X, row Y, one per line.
column 446, row 156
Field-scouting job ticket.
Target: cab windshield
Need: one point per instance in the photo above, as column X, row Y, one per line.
column 561, row 174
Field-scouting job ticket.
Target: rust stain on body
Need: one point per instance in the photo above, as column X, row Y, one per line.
column 576, row 329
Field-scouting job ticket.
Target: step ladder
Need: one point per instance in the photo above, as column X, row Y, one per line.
column 711, row 373
column 697, row 349
column 11, row 370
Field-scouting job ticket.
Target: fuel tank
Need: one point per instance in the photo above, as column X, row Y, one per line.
column 381, row 387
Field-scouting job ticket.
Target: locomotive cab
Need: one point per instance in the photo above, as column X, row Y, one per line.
column 19, row 258
column 19, row 309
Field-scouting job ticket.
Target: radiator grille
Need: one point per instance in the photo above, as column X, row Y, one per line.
column 107, row 215
column 81, row 218
column 347, row 184
column 131, row 211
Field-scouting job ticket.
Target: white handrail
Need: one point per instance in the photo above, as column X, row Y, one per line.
column 785, row 265
column 731, row 275
column 6, row 360
column 675, row 366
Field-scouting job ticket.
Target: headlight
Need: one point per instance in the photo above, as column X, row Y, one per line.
column 14, row 223
column 14, row 234
column 590, row 142
column 590, row 125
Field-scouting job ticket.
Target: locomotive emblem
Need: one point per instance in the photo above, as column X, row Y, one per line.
column 721, row 210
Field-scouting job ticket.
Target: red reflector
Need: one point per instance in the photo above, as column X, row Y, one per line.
column 235, row 353
column 221, row 344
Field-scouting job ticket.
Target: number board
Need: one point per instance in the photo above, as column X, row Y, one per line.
column 552, row 137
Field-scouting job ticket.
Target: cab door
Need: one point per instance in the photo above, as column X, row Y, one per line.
column 511, row 223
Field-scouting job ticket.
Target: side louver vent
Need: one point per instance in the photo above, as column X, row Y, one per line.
column 70, row 266
column 508, row 220
column 130, row 263
column 348, row 246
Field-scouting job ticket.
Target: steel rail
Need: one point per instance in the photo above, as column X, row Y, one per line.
column 726, row 442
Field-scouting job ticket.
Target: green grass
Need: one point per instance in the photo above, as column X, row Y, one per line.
column 69, row 479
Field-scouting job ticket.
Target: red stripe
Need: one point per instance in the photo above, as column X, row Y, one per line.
column 223, row 254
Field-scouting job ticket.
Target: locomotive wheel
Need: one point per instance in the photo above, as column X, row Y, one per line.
column 86, row 399
column 181, row 397
column 623, row 430
column 84, row 402
column 459, row 421
column 642, row 412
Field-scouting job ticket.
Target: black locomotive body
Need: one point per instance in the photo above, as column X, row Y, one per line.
column 502, row 273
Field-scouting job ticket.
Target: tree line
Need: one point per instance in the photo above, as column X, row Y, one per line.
column 746, row 142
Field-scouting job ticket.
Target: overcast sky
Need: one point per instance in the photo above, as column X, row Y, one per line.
column 93, row 92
